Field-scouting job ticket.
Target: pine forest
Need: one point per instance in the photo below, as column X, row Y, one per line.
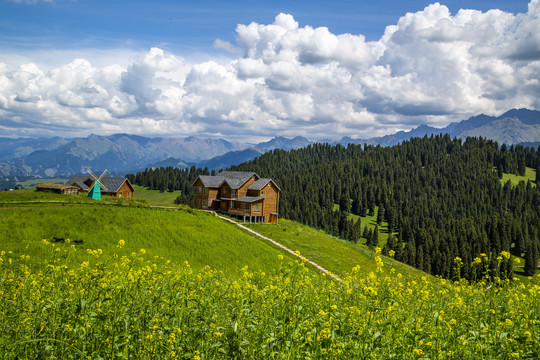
column 441, row 200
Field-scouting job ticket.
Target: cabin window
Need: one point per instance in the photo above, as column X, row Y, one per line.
column 243, row 206
column 233, row 192
column 262, row 192
column 198, row 203
column 205, row 204
column 257, row 207
column 128, row 195
column 119, row 194
column 205, row 191
column 199, row 189
column 224, row 191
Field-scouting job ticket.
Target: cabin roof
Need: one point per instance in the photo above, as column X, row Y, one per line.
column 112, row 183
column 235, row 179
column 261, row 183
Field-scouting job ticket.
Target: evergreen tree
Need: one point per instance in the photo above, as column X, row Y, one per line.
column 357, row 230
column 375, row 236
column 356, row 206
column 365, row 233
column 380, row 215
column 345, row 203
column 531, row 259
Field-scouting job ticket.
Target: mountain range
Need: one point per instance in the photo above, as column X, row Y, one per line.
column 123, row 153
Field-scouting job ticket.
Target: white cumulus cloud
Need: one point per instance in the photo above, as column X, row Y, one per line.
column 431, row 67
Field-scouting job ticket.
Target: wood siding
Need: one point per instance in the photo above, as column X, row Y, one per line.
column 271, row 202
column 124, row 192
column 221, row 199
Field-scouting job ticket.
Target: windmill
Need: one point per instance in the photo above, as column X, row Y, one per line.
column 94, row 191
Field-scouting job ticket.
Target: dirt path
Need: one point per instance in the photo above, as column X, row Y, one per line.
column 282, row 247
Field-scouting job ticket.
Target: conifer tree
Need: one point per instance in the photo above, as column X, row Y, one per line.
column 531, row 259
column 357, row 230
column 375, row 237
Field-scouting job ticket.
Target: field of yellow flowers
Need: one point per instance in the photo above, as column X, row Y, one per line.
column 146, row 307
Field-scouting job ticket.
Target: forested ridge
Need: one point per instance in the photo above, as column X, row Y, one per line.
column 441, row 197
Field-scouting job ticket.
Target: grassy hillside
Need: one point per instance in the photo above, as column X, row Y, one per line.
column 530, row 174
column 164, row 310
column 155, row 196
column 337, row 255
column 118, row 296
column 176, row 235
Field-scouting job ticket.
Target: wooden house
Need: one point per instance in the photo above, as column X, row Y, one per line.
column 58, row 188
column 117, row 186
column 241, row 194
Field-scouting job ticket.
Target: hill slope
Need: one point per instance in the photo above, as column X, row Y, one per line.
column 176, row 235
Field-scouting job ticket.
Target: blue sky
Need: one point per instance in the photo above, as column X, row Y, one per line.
column 194, row 25
column 150, row 66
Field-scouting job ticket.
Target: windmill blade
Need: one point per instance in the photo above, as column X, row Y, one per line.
column 102, row 175
column 97, row 180
column 91, row 173
column 103, row 186
column 100, row 178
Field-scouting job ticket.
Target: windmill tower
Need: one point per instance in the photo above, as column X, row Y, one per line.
column 94, row 191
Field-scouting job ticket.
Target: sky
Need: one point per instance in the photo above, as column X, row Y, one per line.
column 252, row 70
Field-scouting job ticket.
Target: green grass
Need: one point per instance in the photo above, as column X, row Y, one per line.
column 34, row 182
column 530, row 174
column 177, row 235
column 105, row 300
column 337, row 255
column 140, row 308
column 155, row 196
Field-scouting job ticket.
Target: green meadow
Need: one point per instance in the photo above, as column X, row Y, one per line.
column 156, row 196
column 176, row 283
column 371, row 222
column 335, row 254
column 172, row 234
column 530, row 175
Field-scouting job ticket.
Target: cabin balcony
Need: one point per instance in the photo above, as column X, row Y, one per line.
column 244, row 212
column 245, row 215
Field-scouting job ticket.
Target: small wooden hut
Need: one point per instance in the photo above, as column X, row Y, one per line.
column 58, row 188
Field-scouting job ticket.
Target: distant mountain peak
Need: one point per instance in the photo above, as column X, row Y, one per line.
column 280, row 142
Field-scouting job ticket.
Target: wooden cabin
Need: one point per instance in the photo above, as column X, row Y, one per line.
column 119, row 187
column 58, row 188
column 241, row 194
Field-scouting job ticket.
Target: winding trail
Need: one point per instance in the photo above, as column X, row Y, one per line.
column 282, row 247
